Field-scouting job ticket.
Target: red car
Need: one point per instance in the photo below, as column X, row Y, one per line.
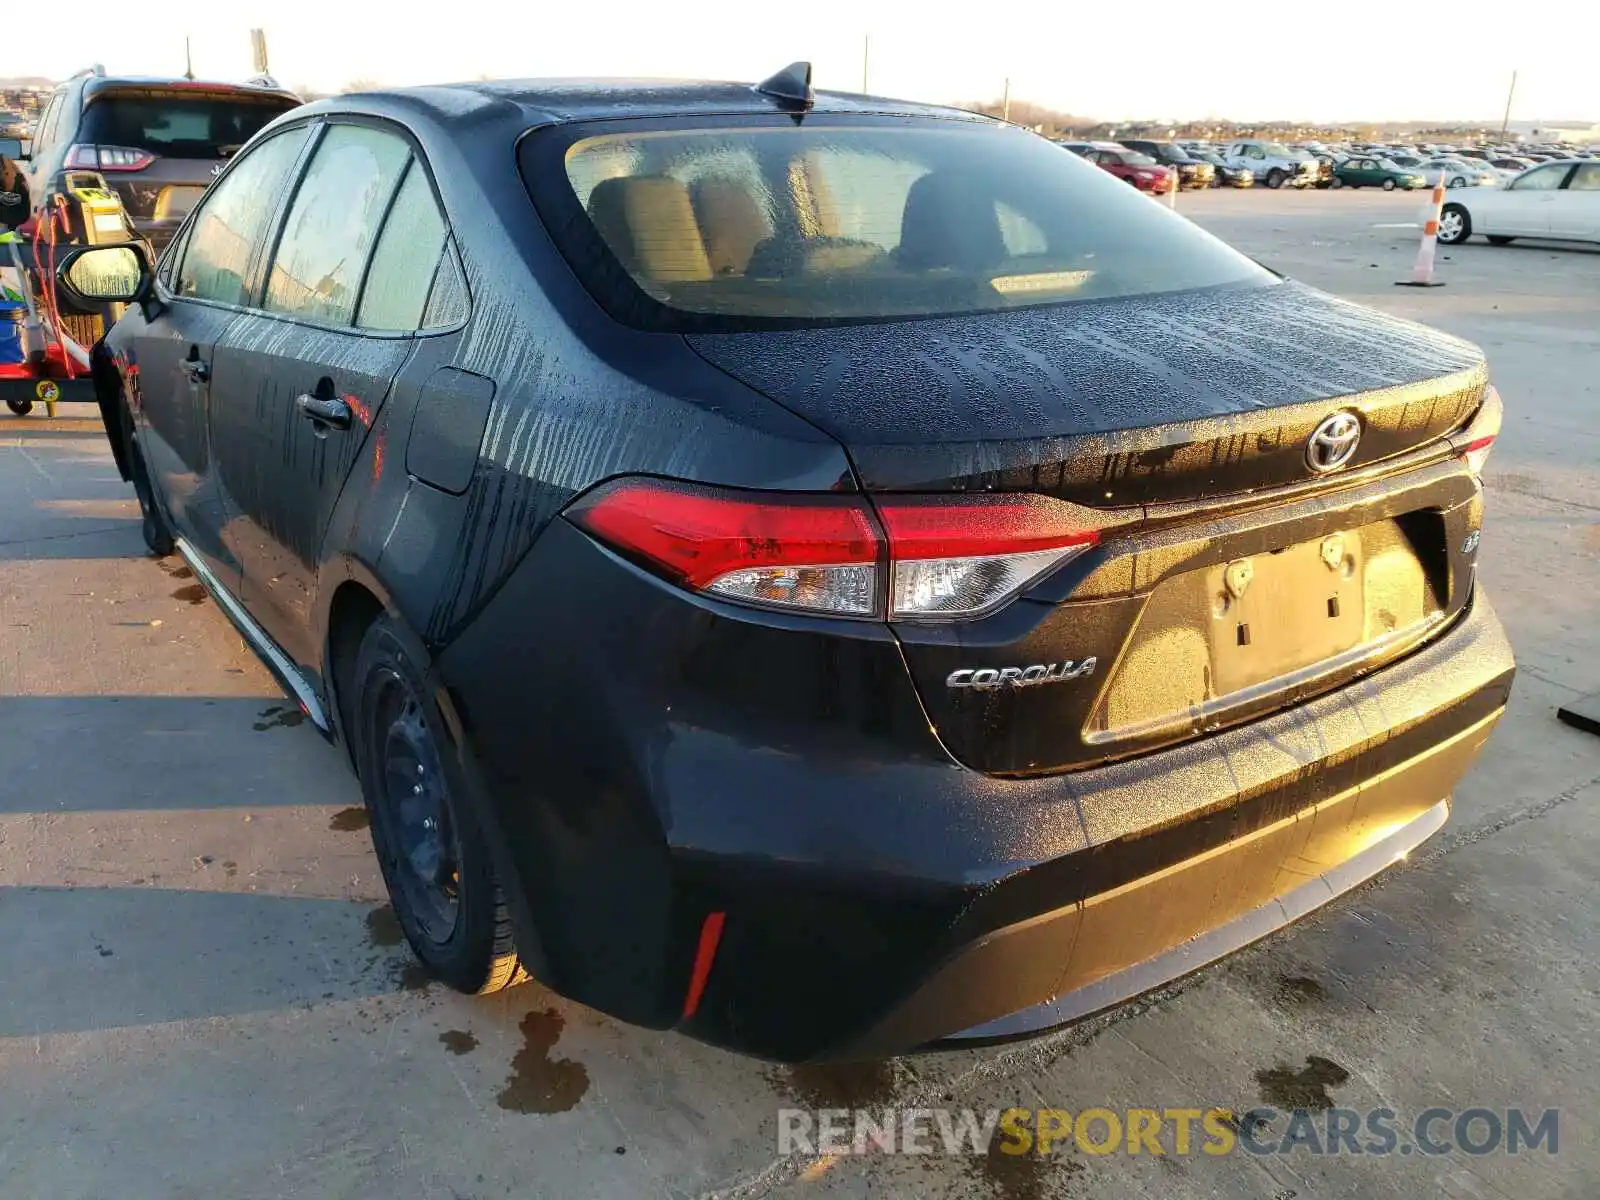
column 1137, row 168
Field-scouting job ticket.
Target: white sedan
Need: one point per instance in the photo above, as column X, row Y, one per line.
column 1556, row 200
column 1458, row 172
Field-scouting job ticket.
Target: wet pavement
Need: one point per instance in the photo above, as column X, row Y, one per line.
column 204, row 993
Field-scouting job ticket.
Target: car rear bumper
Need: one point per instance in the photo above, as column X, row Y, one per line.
column 740, row 825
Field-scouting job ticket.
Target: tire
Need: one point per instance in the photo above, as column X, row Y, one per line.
column 21, row 407
column 157, row 534
column 1275, row 178
column 440, row 875
column 1335, row 183
column 1499, row 239
column 1458, row 181
column 1455, row 225
column 1388, row 185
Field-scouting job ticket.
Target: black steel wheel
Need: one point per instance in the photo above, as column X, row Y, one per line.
column 434, row 856
column 21, row 407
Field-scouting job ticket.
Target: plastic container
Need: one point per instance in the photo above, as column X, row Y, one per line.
column 12, row 315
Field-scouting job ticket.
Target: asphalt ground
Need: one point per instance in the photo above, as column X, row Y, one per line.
column 203, row 994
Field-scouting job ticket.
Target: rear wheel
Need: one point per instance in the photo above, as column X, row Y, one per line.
column 1455, row 225
column 157, row 535
column 1275, row 178
column 1336, row 182
column 434, row 856
column 1496, row 239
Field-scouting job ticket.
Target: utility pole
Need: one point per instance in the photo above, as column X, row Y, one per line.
column 1505, row 123
column 1005, row 101
column 866, row 53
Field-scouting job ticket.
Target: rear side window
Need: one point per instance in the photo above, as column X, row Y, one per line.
column 405, row 260
column 333, row 222
column 224, row 233
column 175, row 125
column 1587, row 179
column 697, row 228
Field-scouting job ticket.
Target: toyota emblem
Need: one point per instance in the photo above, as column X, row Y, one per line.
column 1333, row 443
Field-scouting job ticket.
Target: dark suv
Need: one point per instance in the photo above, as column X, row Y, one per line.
column 825, row 574
column 157, row 142
column 1192, row 172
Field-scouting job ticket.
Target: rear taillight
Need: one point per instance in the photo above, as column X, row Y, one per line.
column 812, row 552
column 82, row 157
column 905, row 557
column 961, row 557
column 1474, row 443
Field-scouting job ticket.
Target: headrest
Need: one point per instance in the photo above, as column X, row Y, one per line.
column 950, row 221
column 649, row 224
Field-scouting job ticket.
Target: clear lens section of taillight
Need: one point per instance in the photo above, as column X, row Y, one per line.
column 930, row 557
column 848, row 590
column 818, row 553
column 964, row 556
column 964, row 587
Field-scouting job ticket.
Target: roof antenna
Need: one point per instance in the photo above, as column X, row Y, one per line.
column 790, row 87
column 188, row 61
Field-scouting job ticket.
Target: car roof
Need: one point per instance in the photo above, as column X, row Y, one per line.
column 558, row 101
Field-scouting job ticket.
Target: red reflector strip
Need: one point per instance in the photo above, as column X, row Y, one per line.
column 980, row 526
column 696, row 535
column 704, row 955
column 1477, row 444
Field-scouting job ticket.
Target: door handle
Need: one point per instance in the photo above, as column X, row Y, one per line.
column 324, row 412
column 196, row 370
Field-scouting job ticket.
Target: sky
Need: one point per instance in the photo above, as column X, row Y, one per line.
column 1357, row 60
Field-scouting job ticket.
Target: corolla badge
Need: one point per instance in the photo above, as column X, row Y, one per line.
column 216, row 170
column 1333, row 443
column 985, row 679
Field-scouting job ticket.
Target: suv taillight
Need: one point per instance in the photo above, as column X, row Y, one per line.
column 910, row 557
column 84, row 157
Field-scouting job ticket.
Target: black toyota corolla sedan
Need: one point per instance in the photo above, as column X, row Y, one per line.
column 828, row 575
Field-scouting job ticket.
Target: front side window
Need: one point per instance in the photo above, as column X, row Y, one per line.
column 848, row 219
column 333, row 222
column 232, row 218
column 1541, row 179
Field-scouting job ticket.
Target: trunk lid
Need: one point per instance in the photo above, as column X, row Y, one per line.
column 1203, row 605
column 1187, row 396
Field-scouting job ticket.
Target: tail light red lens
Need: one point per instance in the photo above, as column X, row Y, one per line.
column 83, row 157
column 1475, row 441
column 811, row 552
column 907, row 557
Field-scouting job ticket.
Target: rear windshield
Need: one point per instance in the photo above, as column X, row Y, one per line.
column 178, row 126
column 759, row 223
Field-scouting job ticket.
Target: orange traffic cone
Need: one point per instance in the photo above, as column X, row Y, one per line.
column 1422, row 271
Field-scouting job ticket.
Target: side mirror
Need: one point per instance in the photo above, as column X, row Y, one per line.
column 93, row 275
